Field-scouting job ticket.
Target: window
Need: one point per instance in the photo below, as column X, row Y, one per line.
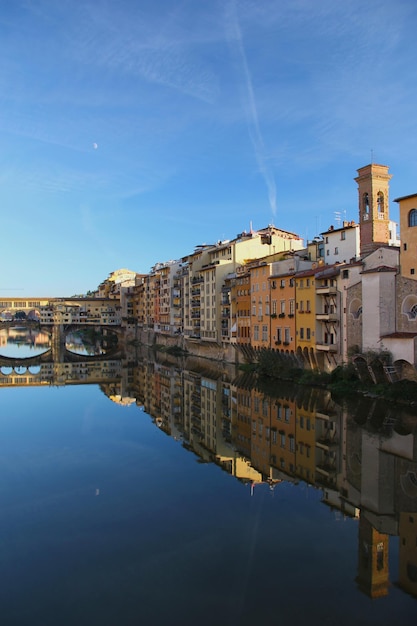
column 264, row 333
column 291, row 307
column 345, row 273
column 308, row 282
column 282, row 283
column 343, row 235
column 412, row 217
column 301, row 333
column 336, row 250
column 287, row 335
column 282, row 306
column 405, row 247
column 256, row 332
column 380, row 202
column 308, row 306
column 412, row 270
column 365, row 203
column 308, row 333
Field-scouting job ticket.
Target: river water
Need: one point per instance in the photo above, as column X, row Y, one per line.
column 146, row 490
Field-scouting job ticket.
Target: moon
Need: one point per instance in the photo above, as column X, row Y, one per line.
column 95, row 146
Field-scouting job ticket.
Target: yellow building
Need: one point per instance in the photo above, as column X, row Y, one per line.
column 408, row 230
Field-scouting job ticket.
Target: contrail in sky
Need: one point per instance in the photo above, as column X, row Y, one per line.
column 253, row 119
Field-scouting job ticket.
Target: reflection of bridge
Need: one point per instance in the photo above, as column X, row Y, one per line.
column 74, row 369
column 58, row 365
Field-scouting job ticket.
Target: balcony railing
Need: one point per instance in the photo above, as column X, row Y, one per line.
column 326, row 289
column 327, row 317
column 326, row 347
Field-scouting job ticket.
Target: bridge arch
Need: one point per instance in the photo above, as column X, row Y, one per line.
column 6, row 315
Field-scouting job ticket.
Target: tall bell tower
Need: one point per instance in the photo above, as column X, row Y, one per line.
column 373, row 188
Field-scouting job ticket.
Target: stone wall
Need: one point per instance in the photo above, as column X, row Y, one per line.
column 354, row 322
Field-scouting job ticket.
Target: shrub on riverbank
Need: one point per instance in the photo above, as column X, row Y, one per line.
column 342, row 381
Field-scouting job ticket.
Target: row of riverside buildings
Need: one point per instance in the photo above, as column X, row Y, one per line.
column 351, row 290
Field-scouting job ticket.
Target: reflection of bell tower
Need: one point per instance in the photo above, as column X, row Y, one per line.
column 408, row 552
column 372, row 578
column 373, row 187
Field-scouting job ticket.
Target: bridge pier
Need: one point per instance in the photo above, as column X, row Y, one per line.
column 58, row 343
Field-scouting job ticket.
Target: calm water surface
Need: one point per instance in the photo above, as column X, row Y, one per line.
column 107, row 520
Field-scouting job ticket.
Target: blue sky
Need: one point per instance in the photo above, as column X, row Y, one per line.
column 131, row 131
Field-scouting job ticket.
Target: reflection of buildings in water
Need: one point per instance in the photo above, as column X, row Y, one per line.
column 407, row 578
column 364, row 462
column 123, row 401
column 24, row 336
column 380, row 453
column 373, row 575
column 66, row 373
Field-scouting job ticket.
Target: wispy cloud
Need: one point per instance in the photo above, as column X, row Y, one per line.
column 149, row 49
column 255, row 133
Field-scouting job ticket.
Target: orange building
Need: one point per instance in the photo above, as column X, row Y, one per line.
column 282, row 331
column 305, row 317
column 260, row 305
column 241, row 305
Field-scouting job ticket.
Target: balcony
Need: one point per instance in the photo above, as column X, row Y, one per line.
column 326, row 290
column 327, row 317
column 326, row 347
column 326, row 443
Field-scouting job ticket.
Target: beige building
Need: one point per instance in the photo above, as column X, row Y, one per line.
column 208, row 268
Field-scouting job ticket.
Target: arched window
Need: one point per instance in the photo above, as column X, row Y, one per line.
column 380, row 202
column 365, row 202
column 412, row 217
column 413, row 312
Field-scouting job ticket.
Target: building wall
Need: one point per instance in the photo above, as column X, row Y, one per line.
column 406, row 304
column 341, row 244
column 354, row 317
column 378, row 307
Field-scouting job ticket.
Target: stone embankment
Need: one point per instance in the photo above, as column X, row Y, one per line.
column 203, row 349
